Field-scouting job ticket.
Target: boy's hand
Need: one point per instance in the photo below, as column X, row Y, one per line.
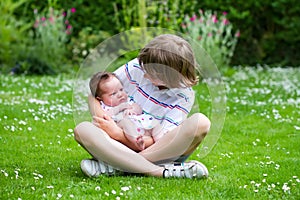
column 109, row 126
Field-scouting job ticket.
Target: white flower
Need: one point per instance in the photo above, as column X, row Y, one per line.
column 125, row 188
column 97, row 188
column 285, row 187
column 59, row 196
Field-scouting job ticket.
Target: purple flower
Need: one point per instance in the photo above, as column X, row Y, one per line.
column 69, row 27
column 224, row 13
column 73, row 10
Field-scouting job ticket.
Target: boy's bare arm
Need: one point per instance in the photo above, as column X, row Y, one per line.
column 95, row 107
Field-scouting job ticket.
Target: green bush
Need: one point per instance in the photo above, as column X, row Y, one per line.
column 214, row 33
column 269, row 30
column 12, row 34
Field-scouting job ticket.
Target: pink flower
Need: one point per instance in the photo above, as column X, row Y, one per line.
column 73, row 10
column 224, row 13
column 69, row 27
column 225, row 21
column 43, row 18
column 193, row 18
column 209, row 34
column 214, row 19
column 64, row 14
column 36, row 24
column 67, row 22
column 51, row 19
column 237, row 34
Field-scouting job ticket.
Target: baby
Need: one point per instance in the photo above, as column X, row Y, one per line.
column 108, row 89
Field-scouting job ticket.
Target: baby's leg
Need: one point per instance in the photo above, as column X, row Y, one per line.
column 133, row 133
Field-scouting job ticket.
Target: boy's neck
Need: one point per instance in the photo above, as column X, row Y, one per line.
column 162, row 87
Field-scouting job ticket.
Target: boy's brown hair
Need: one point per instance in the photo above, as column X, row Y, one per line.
column 170, row 58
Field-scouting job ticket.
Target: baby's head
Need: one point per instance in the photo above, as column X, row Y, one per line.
column 170, row 59
column 106, row 87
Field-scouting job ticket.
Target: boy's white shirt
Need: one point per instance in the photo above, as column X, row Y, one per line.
column 170, row 106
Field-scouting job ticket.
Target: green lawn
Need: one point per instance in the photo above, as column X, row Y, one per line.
column 256, row 157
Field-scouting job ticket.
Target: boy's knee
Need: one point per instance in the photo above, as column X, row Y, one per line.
column 201, row 123
column 79, row 130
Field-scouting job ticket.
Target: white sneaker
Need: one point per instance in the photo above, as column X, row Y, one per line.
column 94, row 168
column 190, row 169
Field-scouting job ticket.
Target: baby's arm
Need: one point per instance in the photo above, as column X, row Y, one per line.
column 117, row 109
column 134, row 109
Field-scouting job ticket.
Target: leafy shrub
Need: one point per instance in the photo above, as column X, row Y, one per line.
column 48, row 45
column 83, row 44
column 214, row 33
column 270, row 30
column 12, row 34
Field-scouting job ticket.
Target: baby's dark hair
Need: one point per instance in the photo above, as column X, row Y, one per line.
column 96, row 81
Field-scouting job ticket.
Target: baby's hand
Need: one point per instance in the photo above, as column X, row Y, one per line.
column 137, row 109
column 128, row 112
column 125, row 106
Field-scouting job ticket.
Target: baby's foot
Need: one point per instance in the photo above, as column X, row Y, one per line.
column 140, row 143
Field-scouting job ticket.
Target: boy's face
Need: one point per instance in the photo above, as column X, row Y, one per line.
column 155, row 81
column 112, row 92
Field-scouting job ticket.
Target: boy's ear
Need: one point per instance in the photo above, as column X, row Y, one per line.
column 98, row 98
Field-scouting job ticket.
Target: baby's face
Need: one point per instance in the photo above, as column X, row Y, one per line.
column 113, row 93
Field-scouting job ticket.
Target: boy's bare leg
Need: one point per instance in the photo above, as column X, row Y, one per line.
column 131, row 133
column 106, row 149
column 182, row 140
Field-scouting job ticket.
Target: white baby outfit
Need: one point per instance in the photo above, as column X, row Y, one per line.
column 143, row 121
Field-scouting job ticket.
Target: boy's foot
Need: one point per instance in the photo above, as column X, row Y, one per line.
column 190, row 169
column 94, row 168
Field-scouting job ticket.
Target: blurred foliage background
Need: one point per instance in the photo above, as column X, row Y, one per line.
column 268, row 30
